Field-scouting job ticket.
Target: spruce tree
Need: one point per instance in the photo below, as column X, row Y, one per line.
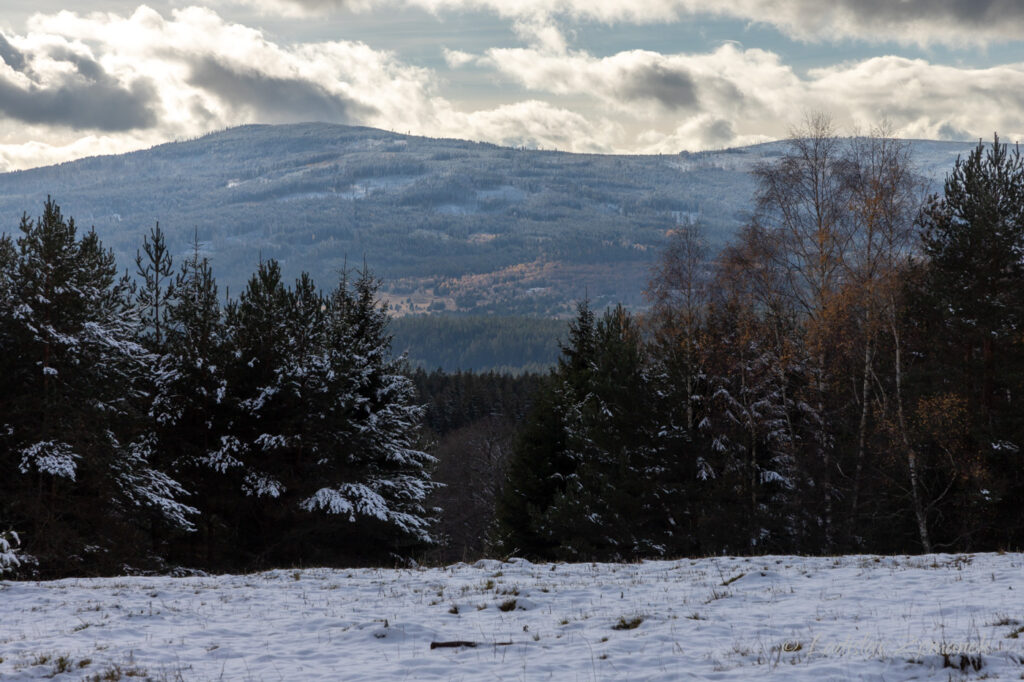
column 370, row 480
column 536, row 473
column 540, row 465
column 324, row 423
column 970, row 314
column 602, row 467
column 154, row 268
column 79, row 453
column 188, row 406
column 973, row 236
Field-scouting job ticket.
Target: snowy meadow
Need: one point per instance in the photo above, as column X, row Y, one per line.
column 855, row 617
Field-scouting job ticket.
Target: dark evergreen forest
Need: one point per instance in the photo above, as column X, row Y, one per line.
column 842, row 377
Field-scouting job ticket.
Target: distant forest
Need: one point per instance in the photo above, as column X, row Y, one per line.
column 844, row 376
column 482, row 343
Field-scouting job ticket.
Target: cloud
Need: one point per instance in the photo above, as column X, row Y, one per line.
column 278, row 100
column 38, row 153
column 733, row 96
column 457, row 58
column 297, row 8
column 156, row 78
column 533, row 124
column 669, row 87
column 923, row 99
column 645, row 84
column 923, row 22
column 212, row 74
column 76, row 84
column 61, row 86
column 11, row 55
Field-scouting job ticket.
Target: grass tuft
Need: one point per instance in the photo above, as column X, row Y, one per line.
column 630, row 624
column 730, row 581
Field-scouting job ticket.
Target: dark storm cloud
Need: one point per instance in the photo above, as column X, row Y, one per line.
column 89, row 99
column 11, row 55
column 720, row 132
column 278, row 100
column 87, row 67
column 919, row 21
column 672, row 88
column 971, row 12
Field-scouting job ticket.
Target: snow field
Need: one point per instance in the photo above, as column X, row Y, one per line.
column 935, row 617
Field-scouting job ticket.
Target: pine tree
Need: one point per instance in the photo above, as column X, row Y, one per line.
column 371, row 480
column 609, row 507
column 973, row 237
column 753, row 422
column 188, row 406
column 536, row 473
column 10, row 558
column 970, row 308
column 79, row 452
column 540, row 465
column 602, row 467
column 155, row 288
column 324, row 422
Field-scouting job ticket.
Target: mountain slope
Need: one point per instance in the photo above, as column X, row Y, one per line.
column 449, row 224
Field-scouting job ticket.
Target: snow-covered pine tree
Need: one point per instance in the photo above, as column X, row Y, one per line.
column 257, row 430
column 540, row 467
column 154, row 268
column 601, row 467
column 79, row 453
column 324, row 422
column 10, row 558
column 752, row 419
column 371, row 480
column 8, row 366
column 605, row 510
column 188, row 405
column 970, row 308
column 632, row 462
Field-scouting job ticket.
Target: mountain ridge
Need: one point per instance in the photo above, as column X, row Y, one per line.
column 450, row 225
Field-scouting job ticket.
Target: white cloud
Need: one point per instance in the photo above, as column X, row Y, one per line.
column 209, row 74
column 534, row 124
column 924, row 22
column 153, row 78
column 458, row 58
column 298, row 8
column 129, row 81
column 734, row 96
column 36, row 153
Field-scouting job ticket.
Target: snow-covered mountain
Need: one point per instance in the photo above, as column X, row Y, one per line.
column 448, row 224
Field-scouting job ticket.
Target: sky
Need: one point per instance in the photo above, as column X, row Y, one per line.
column 609, row 76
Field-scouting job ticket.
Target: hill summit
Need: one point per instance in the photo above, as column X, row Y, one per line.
column 450, row 225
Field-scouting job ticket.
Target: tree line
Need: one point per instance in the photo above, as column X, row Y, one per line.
column 842, row 377
column 845, row 376
column 499, row 343
column 145, row 423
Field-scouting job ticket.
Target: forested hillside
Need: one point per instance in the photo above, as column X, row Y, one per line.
column 447, row 224
column 480, row 343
